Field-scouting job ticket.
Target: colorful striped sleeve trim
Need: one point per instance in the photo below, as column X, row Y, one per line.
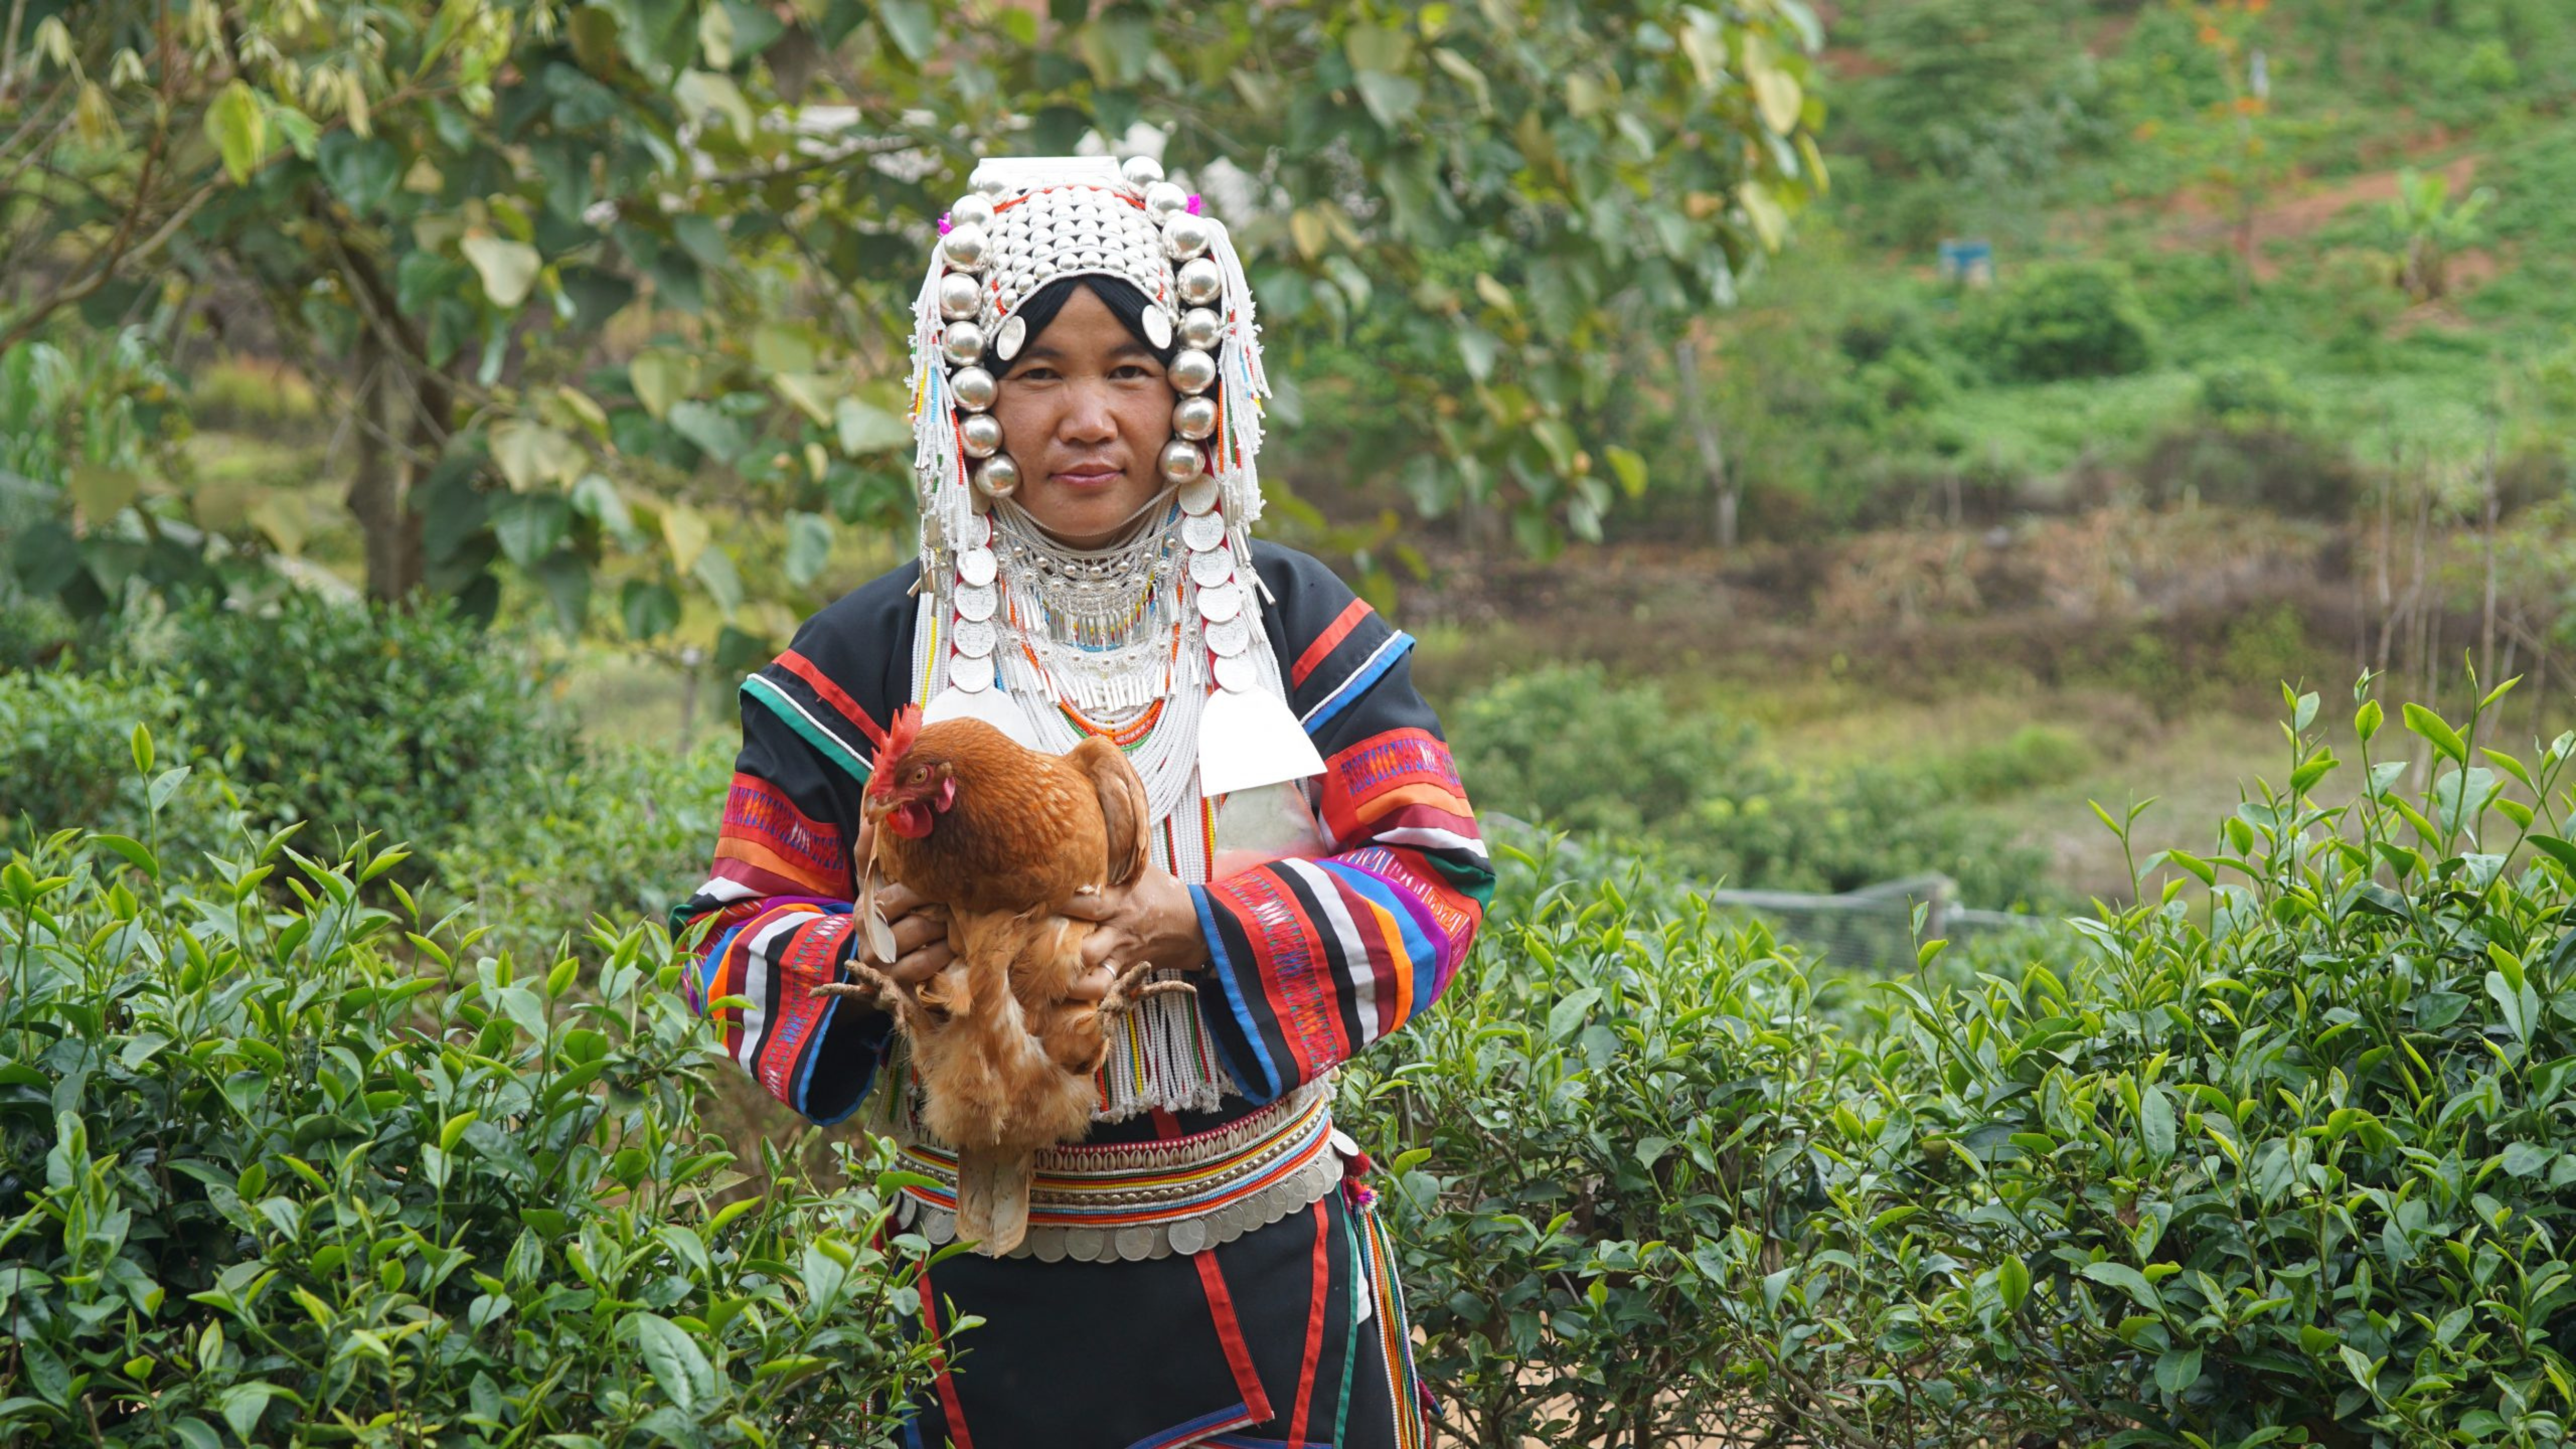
column 1370, row 670
column 823, row 737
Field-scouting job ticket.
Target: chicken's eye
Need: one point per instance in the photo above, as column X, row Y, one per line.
column 919, row 774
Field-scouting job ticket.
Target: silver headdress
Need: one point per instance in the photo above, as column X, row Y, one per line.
column 1028, row 223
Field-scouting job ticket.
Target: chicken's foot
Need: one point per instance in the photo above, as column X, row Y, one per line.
column 876, row 988
column 1130, row 990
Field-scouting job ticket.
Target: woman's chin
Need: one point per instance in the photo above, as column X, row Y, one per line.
column 1080, row 512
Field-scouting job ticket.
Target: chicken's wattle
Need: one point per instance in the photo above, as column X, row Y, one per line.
column 911, row 820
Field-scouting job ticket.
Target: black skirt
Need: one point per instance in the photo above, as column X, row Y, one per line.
column 1282, row 1336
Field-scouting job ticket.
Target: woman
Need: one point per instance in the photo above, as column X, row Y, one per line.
column 1204, row 1268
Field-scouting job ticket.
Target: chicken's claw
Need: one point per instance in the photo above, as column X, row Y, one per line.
column 874, row 987
column 1130, row 990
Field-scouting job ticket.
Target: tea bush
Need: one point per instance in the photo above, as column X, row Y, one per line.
column 2294, row 1170
column 328, row 1174
column 1596, row 1141
column 2061, row 320
column 1564, row 745
column 357, row 718
column 63, row 763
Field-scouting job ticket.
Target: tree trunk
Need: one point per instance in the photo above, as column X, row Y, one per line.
column 376, row 489
column 1712, row 447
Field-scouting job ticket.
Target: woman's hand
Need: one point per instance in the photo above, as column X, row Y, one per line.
column 920, row 929
column 1151, row 918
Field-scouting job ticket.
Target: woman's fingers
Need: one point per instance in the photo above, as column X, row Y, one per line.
column 897, row 901
column 916, row 967
column 1098, row 905
column 1092, row 985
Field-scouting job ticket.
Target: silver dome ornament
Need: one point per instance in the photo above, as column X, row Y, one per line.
column 1194, row 417
column 981, row 433
column 1158, row 326
column 1006, row 342
column 972, row 209
column 1186, row 236
column 1183, row 462
column 1163, row 201
column 1198, row 282
column 965, row 247
column 1200, row 328
column 973, row 388
column 991, row 186
column 962, row 344
column 1141, row 171
column 959, row 296
column 1192, row 371
column 997, row 476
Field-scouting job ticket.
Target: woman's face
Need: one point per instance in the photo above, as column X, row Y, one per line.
column 1085, row 412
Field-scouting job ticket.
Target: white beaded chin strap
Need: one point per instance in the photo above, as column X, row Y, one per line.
column 983, row 645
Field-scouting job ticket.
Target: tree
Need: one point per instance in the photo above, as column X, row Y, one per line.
column 585, row 278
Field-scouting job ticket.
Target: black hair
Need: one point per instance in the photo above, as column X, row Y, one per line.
column 1124, row 301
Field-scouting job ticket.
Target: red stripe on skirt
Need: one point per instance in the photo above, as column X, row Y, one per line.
column 1314, row 1327
column 948, row 1405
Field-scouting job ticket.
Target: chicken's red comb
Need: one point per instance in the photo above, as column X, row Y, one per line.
column 898, row 743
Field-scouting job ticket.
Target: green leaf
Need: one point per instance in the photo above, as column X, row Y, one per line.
column 2431, row 726
column 1568, row 1014
column 1391, row 99
column 2156, row 1122
column 531, row 453
column 135, row 852
column 660, row 378
column 861, row 427
column 2129, row 1280
column 102, row 491
column 809, row 547
column 140, row 742
column 911, row 25
column 1630, row 468
column 241, row 1406
column 2012, row 1279
column 673, row 1359
column 649, row 610
column 2177, row 1369
column 706, row 95
column 237, row 125
column 508, row 268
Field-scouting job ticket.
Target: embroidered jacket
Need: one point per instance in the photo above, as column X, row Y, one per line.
column 1312, row 959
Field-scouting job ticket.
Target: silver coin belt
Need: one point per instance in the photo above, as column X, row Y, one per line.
column 1134, row 1201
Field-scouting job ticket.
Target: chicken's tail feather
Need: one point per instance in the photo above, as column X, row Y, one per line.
column 993, row 1198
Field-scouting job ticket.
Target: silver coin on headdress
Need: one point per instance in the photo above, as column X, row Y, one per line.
column 1229, row 638
column 970, row 673
column 1084, row 1245
column 1203, row 531
column 977, row 604
column 976, row 637
column 976, row 566
column 1136, row 1244
column 1187, row 1236
column 1006, row 343
column 1211, row 568
column 1221, row 603
column 1158, row 326
column 1235, row 673
column 1198, row 497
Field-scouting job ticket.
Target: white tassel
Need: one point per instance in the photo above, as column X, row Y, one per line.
column 1243, row 384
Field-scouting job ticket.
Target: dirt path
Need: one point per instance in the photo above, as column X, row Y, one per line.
column 2203, row 221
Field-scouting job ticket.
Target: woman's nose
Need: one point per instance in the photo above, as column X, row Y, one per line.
column 1088, row 417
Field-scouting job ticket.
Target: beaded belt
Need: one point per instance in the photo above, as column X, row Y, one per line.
column 1133, row 1201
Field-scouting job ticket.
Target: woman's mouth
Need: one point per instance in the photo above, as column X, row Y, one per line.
column 1089, row 475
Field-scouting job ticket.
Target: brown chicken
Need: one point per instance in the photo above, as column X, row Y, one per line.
column 1002, row 836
